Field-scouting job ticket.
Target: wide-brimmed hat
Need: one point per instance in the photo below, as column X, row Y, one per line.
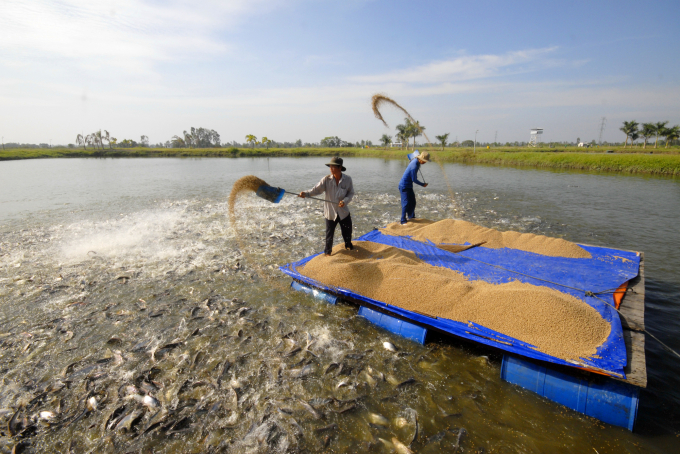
column 336, row 161
column 424, row 156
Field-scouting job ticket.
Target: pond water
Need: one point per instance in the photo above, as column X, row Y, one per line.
column 134, row 318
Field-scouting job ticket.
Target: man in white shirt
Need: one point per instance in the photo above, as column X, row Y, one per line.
column 339, row 192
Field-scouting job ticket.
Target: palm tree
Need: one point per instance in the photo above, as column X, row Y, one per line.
column 251, row 139
column 80, row 140
column 628, row 128
column 443, row 139
column 88, row 140
column 647, row 131
column 108, row 138
column 97, row 137
column 671, row 134
column 659, row 127
column 415, row 130
column 188, row 139
column 402, row 135
column 635, row 135
column 385, row 139
column 266, row 142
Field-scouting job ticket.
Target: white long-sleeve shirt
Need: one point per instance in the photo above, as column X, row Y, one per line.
column 335, row 192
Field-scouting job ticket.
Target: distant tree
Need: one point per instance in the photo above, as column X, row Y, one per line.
column 251, row 139
column 403, row 133
column 188, row 139
column 443, row 138
column 127, row 143
column 265, row 141
column 414, row 130
column 113, row 141
column 647, row 131
column 471, row 143
column 178, row 142
column 97, row 139
column 658, row 129
column 107, row 136
column 628, row 128
column 671, row 134
column 80, row 140
column 635, row 135
column 386, row 140
column 332, row 142
column 144, row 141
column 298, row 143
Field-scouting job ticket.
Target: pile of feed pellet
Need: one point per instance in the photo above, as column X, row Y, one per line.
column 556, row 323
column 459, row 232
column 247, row 183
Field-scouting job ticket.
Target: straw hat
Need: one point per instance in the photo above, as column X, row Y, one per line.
column 425, row 156
column 336, row 161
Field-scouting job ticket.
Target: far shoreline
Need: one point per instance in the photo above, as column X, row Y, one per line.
column 637, row 161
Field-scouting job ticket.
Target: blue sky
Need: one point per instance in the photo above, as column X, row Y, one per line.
column 303, row 69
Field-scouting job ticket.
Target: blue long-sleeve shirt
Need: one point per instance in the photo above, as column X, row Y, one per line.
column 411, row 175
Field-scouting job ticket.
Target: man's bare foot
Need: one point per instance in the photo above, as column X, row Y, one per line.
column 327, row 255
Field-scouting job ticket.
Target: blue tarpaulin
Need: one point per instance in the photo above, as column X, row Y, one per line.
column 605, row 271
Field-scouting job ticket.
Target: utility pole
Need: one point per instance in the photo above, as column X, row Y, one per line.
column 495, row 138
column 474, row 150
column 602, row 125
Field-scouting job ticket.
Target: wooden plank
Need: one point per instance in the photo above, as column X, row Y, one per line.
column 636, row 369
column 632, row 307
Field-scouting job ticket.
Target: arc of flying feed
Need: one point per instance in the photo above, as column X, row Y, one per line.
column 380, row 99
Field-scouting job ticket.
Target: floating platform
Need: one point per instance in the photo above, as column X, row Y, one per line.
column 605, row 388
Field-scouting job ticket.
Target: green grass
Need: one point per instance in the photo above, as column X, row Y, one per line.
column 630, row 160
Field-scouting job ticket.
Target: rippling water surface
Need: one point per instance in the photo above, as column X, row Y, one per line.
column 133, row 318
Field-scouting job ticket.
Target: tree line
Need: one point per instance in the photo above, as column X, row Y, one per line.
column 633, row 131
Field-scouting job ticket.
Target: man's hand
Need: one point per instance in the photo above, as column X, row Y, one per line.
column 425, row 185
column 341, row 204
column 302, row 194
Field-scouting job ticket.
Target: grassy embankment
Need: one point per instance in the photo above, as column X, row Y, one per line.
column 658, row 161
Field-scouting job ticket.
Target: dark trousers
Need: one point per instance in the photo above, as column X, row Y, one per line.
column 345, row 229
column 408, row 204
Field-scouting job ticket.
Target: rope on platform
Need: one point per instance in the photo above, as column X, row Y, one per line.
column 644, row 330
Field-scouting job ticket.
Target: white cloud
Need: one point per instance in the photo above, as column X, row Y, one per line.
column 120, row 35
column 461, row 68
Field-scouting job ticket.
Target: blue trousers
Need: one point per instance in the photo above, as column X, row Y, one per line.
column 408, row 204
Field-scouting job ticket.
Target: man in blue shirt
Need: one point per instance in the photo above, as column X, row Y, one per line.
column 408, row 197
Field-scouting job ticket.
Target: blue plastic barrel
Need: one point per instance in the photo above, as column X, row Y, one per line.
column 318, row 294
column 600, row 397
column 394, row 325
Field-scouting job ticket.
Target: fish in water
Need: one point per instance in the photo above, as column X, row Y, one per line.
column 378, row 419
column 390, row 346
column 400, row 447
column 406, row 382
column 129, row 420
column 461, row 434
column 315, row 414
column 91, row 404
